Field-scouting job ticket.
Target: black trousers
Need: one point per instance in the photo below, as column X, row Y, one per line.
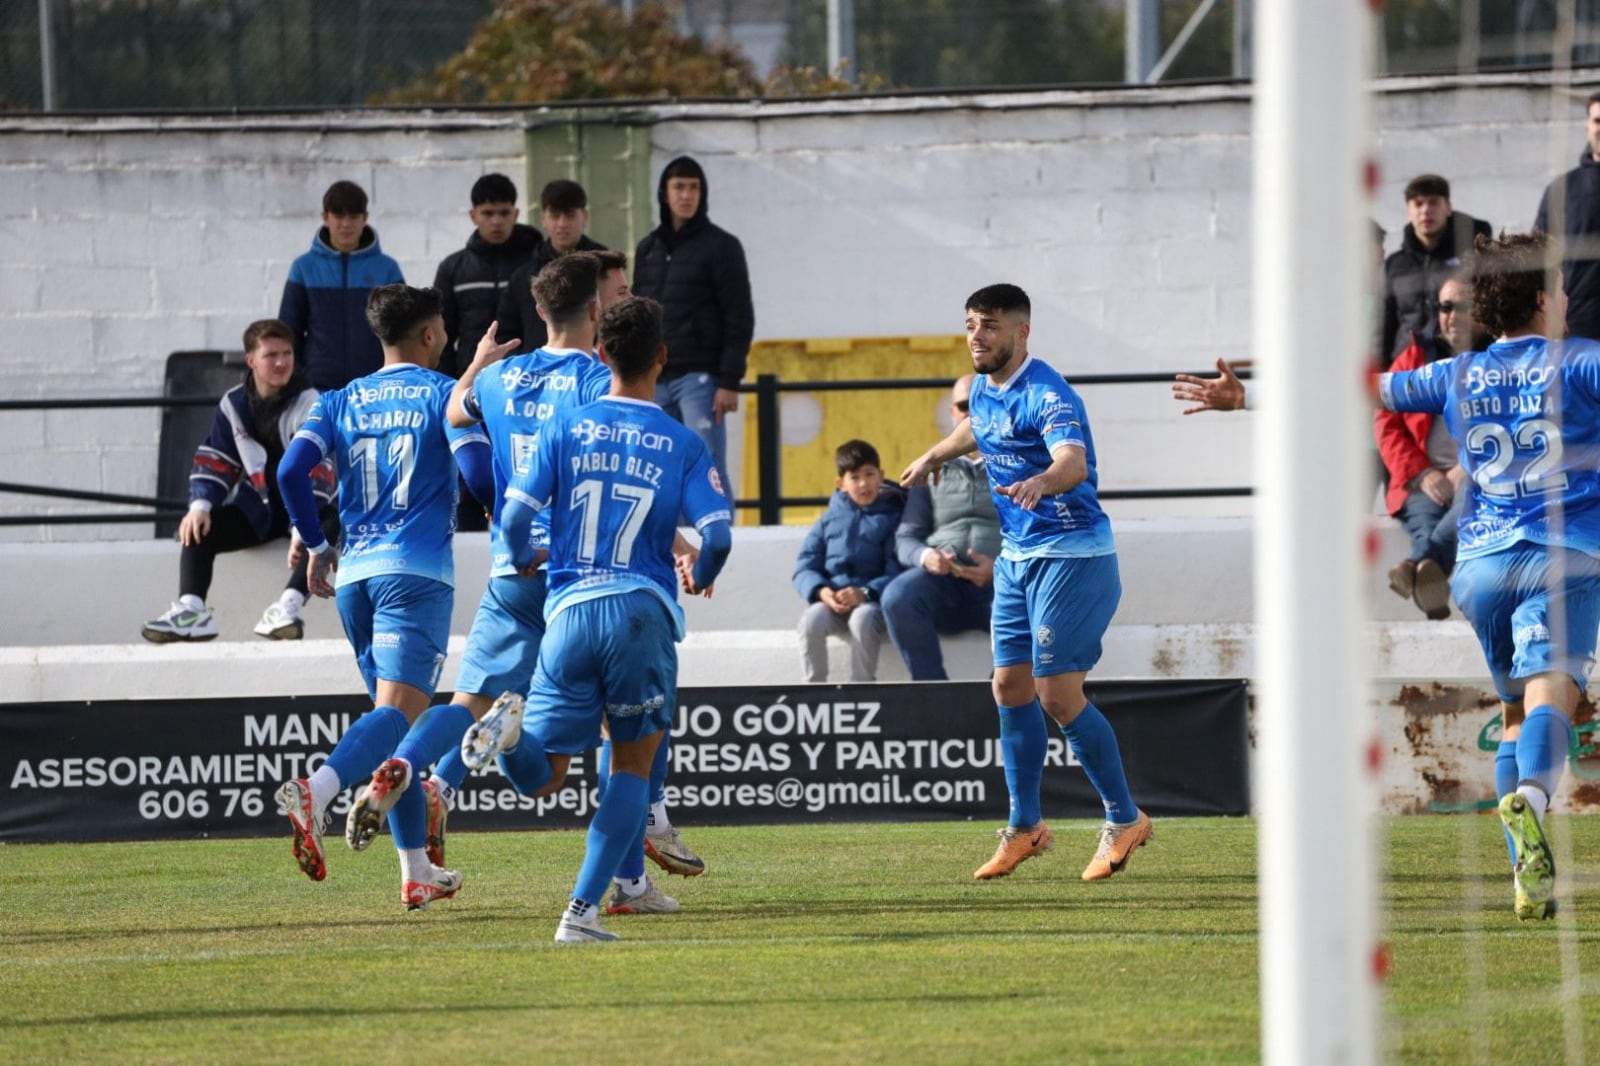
column 231, row 531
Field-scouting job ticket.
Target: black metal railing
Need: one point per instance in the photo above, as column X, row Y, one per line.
column 769, row 502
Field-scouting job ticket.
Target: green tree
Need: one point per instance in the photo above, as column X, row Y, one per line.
column 529, row 51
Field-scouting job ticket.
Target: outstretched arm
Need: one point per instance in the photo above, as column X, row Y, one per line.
column 1069, row 466
column 1225, row 392
column 958, row 443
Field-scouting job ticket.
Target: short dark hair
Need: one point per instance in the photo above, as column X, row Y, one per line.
column 853, row 455
column 494, row 189
column 397, row 311
column 1507, row 277
column 683, row 167
column 345, row 198
column 262, row 328
column 563, row 196
column 1594, row 98
column 610, row 259
column 567, row 285
column 630, row 336
column 1427, row 185
column 1003, row 298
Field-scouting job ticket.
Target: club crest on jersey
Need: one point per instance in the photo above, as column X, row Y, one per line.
column 1044, row 636
column 716, row 481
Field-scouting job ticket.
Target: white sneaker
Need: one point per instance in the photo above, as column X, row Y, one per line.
column 498, row 730
column 280, row 621
column 582, row 930
column 651, row 901
column 181, row 623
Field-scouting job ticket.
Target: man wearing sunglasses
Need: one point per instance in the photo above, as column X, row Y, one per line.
column 947, row 541
column 1426, row 481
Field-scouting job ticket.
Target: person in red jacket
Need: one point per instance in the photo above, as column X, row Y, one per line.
column 1426, row 481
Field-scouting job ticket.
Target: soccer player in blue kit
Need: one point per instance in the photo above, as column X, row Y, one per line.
column 392, row 449
column 1056, row 584
column 614, row 476
column 511, row 399
column 1526, row 416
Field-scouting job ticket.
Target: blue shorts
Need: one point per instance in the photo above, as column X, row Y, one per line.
column 504, row 643
column 399, row 628
column 1053, row 612
column 613, row 659
column 1528, row 626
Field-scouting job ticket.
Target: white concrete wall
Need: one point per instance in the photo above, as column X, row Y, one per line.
column 1125, row 213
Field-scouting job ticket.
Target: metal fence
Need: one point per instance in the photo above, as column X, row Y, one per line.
column 122, row 55
column 769, row 502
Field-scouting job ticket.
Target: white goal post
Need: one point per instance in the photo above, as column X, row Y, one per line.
column 1313, row 258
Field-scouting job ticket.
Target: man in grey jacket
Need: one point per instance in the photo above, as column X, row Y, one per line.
column 947, row 540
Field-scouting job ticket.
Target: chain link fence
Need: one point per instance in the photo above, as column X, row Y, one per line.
column 129, row 55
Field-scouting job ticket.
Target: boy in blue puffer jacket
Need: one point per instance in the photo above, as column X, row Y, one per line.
column 325, row 299
column 846, row 562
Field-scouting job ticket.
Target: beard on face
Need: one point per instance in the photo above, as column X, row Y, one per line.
column 993, row 359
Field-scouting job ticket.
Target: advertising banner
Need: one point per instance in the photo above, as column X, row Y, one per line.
column 132, row 770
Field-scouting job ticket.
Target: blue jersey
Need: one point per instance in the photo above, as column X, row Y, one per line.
column 615, row 475
column 1018, row 425
column 1525, row 415
column 393, row 450
column 513, row 399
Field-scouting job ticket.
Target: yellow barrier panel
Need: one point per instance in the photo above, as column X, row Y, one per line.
column 900, row 423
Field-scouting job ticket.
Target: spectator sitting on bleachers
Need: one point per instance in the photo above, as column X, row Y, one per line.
column 1426, row 481
column 947, row 541
column 846, row 563
column 234, row 501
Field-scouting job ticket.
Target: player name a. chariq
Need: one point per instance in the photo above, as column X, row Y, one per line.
column 378, row 420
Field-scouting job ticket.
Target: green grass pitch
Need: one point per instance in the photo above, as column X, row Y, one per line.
column 830, row 943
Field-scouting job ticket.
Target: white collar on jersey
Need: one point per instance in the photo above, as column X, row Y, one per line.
column 1002, row 388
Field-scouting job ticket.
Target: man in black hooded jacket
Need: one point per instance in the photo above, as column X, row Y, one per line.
column 697, row 271
column 1436, row 237
column 1571, row 203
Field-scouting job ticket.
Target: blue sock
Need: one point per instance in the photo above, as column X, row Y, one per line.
column 451, row 769
column 1505, row 783
column 526, row 766
column 1023, row 741
column 632, row 864
column 602, row 769
column 434, row 735
column 1095, row 744
column 612, row 831
column 408, row 820
column 658, row 770
column 1542, row 749
column 370, row 739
